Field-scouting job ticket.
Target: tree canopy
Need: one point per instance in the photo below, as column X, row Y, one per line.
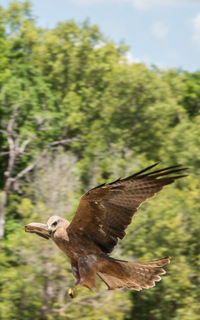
column 75, row 113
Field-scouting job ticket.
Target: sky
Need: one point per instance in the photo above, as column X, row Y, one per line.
column 165, row 33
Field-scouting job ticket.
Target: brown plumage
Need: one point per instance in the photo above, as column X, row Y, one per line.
column 102, row 216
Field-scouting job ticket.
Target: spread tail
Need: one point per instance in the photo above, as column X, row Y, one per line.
column 131, row 275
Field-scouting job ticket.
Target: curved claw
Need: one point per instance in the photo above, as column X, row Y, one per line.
column 72, row 293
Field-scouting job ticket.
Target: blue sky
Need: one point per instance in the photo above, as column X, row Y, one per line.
column 161, row 32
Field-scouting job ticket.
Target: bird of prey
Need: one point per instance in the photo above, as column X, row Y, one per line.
column 102, row 216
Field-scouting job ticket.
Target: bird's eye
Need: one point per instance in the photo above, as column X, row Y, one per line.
column 54, row 224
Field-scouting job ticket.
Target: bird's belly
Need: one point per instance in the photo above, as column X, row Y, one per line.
column 76, row 247
column 65, row 246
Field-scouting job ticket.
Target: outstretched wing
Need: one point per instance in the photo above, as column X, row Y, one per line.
column 39, row 228
column 105, row 211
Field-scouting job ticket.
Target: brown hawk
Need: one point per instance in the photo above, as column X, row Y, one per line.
column 103, row 214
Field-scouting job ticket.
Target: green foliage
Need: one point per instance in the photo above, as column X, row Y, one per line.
column 70, row 82
column 171, row 228
column 191, row 97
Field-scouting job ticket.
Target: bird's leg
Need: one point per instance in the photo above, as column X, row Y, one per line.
column 72, row 292
column 75, row 271
column 87, row 266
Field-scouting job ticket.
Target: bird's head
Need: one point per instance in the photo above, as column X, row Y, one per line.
column 54, row 223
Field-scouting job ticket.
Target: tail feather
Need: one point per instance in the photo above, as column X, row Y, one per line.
column 131, row 275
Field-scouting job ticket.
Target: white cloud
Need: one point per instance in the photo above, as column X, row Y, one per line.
column 159, row 30
column 130, row 59
column 145, row 4
column 88, row 2
column 100, row 44
column 196, row 28
column 140, row 4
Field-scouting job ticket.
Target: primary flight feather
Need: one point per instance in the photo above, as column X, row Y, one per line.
column 103, row 214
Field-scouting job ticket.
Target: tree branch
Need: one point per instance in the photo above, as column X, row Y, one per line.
column 32, row 165
column 86, row 301
column 25, row 171
column 4, row 153
column 11, row 123
column 63, row 142
column 24, row 144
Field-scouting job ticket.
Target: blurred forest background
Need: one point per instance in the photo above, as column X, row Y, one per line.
column 75, row 113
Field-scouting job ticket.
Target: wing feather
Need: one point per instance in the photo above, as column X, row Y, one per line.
column 104, row 212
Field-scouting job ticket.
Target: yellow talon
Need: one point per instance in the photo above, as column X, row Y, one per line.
column 72, row 293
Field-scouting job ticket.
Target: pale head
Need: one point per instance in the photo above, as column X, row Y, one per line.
column 56, row 222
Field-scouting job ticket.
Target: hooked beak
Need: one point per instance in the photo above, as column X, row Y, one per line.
column 50, row 230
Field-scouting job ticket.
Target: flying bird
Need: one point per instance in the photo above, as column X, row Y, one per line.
column 102, row 216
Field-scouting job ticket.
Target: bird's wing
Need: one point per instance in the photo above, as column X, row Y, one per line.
column 105, row 211
column 39, row 228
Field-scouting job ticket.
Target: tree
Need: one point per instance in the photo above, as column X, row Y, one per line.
column 73, row 114
column 36, row 276
column 28, row 108
column 191, row 97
